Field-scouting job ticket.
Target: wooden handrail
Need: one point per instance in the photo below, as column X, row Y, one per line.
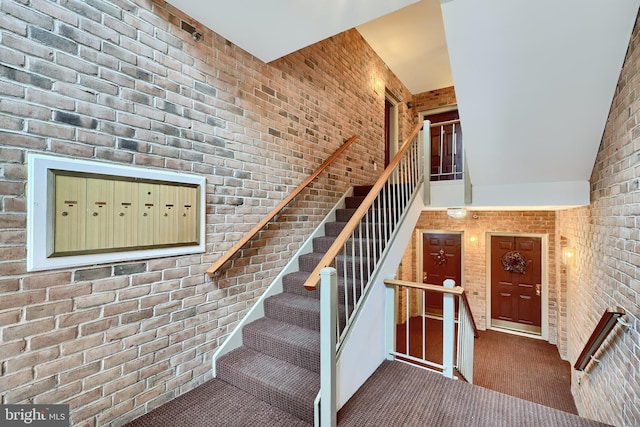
column 456, row 290
column 334, row 250
column 476, row 334
column 605, row 325
column 448, row 122
column 259, row 226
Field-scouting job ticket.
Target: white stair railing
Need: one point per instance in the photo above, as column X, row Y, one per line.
column 363, row 244
column 418, row 328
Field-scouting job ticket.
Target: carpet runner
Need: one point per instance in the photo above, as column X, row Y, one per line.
column 279, row 361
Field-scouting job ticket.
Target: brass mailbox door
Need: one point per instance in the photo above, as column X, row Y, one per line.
column 147, row 213
column 187, row 218
column 125, row 221
column 70, row 219
column 99, row 214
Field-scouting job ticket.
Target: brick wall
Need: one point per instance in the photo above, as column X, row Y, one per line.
column 433, row 99
column 475, row 254
column 604, row 274
column 119, row 81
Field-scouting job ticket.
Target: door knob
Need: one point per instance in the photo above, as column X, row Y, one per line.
column 538, row 289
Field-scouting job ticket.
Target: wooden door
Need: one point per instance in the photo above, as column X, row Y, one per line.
column 516, row 283
column 388, row 106
column 441, row 260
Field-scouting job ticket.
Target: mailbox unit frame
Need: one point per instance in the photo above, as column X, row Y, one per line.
column 40, row 211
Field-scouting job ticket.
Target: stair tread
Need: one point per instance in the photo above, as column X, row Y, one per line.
column 296, row 301
column 272, row 380
column 286, row 333
column 279, row 361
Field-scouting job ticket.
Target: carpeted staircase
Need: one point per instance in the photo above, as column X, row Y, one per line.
column 279, row 361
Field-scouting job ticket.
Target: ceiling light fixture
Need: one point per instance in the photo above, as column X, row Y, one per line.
column 457, row 213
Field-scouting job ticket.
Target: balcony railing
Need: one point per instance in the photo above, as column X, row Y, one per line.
column 439, row 343
column 447, row 155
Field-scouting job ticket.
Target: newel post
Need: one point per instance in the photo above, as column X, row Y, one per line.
column 448, row 332
column 328, row 339
column 426, row 162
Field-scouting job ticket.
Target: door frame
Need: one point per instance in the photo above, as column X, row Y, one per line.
column 544, row 303
column 393, row 130
column 419, row 239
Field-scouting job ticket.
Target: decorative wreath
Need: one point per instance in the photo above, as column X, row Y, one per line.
column 440, row 258
column 514, row 262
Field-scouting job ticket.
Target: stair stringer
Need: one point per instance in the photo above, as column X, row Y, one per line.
column 234, row 339
column 365, row 345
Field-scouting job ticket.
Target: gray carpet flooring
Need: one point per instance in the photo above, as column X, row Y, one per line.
column 395, row 395
column 523, row 367
column 217, row 404
column 421, row 398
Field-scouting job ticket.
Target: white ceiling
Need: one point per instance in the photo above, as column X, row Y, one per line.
column 274, row 28
column 534, row 80
column 412, row 43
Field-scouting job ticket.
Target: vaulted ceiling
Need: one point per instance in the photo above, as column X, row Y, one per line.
column 534, row 80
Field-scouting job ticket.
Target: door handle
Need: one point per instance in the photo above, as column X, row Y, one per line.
column 538, row 289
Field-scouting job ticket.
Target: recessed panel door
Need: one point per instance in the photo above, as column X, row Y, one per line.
column 516, row 283
column 441, row 260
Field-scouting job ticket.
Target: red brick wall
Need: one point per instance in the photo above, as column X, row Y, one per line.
column 121, row 82
column 475, row 255
column 604, row 275
column 433, row 99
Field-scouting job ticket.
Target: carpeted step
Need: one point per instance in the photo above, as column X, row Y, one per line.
column 279, row 361
column 370, row 231
column 353, row 202
column 308, row 262
column 362, row 190
column 277, row 382
column 354, row 246
column 299, row 310
column 294, row 309
column 291, row 343
column 343, row 215
column 334, row 228
column 294, row 283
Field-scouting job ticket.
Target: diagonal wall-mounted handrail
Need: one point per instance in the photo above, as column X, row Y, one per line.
column 260, row 225
column 608, row 320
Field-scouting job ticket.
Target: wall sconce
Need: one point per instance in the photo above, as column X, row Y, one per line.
column 457, row 213
column 474, row 241
column 568, row 256
column 378, row 85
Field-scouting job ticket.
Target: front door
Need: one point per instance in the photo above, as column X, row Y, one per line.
column 516, row 273
column 441, row 260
